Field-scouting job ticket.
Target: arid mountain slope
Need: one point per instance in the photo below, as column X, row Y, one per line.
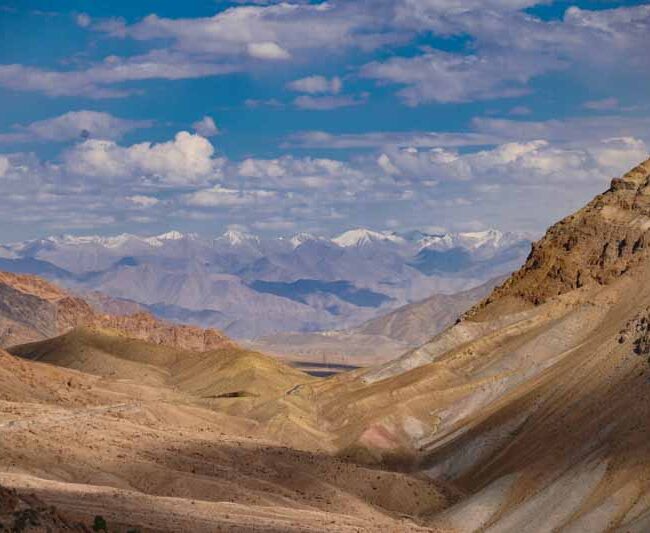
column 33, row 309
column 416, row 323
column 595, row 245
column 29, row 514
column 536, row 405
column 227, row 371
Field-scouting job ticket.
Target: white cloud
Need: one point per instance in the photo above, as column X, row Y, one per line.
column 275, row 224
column 83, row 20
column 445, row 77
column 185, row 160
column 95, row 81
column 219, row 196
column 617, row 34
column 275, row 31
column 537, row 162
column 143, row 201
column 387, row 165
column 206, row 127
column 271, row 102
column 4, row 166
column 618, row 153
column 324, row 103
column 267, row 50
column 606, row 104
column 510, row 48
column 571, row 130
column 317, row 85
column 75, row 125
column 301, row 173
column 378, row 139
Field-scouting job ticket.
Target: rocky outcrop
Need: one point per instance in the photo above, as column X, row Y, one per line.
column 32, row 309
column 595, row 245
column 28, row 513
column 146, row 327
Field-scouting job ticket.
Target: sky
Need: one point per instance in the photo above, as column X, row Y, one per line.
column 283, row 117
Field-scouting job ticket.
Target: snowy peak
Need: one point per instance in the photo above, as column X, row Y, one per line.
column 361, row 237
column 238, row 238
column 71, row 240
column 474, row 240
column 171, row 236
column 301, row 238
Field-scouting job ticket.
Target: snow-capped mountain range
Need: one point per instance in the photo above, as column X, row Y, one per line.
column 252, row 286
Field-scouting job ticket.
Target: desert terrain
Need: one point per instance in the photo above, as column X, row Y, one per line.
column 531, row 413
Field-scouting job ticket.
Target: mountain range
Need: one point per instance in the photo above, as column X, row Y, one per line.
column 529, row 413
column 250, row 286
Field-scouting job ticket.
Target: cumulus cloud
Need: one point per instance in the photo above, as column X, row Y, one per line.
column 143, row 201
column 510, row 48
column 500, row 173
column 317, row 85
column 185, row 160
column 520, row 110
column 301, row 173
column 206, row 127
column 571, row 130
column 536, row 162
column 267, row 50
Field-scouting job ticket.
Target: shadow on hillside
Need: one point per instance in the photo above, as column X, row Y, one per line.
column 248, row 472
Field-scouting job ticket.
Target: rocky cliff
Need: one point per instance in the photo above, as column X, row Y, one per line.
column 593, row 246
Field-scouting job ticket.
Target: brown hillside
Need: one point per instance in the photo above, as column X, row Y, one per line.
column 34, row 309
column 595, row 245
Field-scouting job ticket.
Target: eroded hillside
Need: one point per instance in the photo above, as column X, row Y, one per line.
column 33, row 309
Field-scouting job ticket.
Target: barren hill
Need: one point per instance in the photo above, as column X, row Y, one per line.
column 416, row 323
column 34, row 309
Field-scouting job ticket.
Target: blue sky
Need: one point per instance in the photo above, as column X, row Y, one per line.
column 315, row 116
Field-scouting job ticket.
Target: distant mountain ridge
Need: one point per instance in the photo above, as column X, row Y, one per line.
column 250, row 286
column 380, row 339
